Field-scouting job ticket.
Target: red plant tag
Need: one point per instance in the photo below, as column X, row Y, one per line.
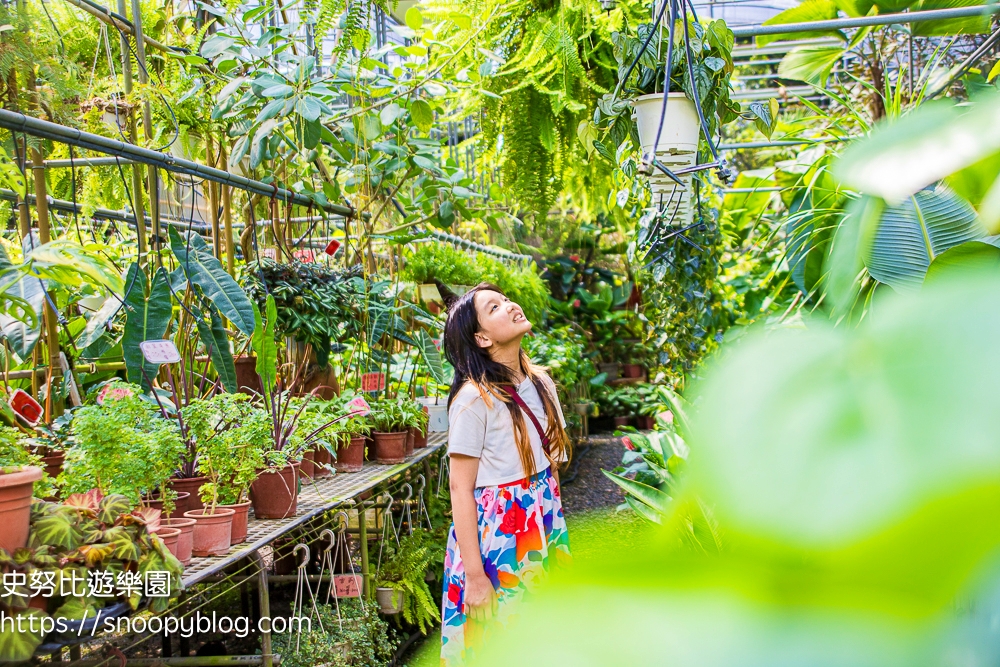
column 373, row 382
column 347, row 585
column 332, row 247
column 304, row 255
column 26, row 406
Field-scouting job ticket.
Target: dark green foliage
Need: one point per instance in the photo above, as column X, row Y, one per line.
column 315, row 304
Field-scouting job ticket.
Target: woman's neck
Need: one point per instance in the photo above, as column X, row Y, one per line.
column 510, row 356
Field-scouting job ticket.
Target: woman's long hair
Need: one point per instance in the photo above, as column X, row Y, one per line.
column 474, row 365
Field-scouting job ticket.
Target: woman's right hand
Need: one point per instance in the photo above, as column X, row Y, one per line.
column 480, row 597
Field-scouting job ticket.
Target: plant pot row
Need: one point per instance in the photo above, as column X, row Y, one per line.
column 642, row 422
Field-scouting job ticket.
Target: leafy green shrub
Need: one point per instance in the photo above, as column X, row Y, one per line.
column 371, row 640
column 441, row 261
column 387, row 416
column 404, row 571
column 121, row 447
column 563, row 351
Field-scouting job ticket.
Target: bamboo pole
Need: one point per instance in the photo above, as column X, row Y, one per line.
column 152, row 173
column 137, row 203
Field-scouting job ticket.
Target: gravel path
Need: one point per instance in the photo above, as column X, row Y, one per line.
column 590, row 489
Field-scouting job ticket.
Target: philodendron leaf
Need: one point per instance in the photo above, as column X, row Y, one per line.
column 205, row 271
column 96, row 324
column 17, row 645
column 23, row 326
column 148, row 313
column 263, row 345
column 214, row 338
column 432, row 357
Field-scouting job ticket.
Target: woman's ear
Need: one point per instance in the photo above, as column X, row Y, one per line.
column 483, row 341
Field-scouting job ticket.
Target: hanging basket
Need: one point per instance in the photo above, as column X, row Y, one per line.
column 677, row 149
column 390, row 602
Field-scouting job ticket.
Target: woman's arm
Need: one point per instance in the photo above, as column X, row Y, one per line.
column 480, row 598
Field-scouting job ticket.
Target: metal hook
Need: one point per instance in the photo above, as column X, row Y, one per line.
column 328, row 534
column 305, row 561
column 344, row 521
column 409, row 491
column 423, row 485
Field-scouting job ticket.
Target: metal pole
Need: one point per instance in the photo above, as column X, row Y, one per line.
column 265, row 610
column 864, row 21
column 775, row 144
column 213, row 201
column 67, row 135
column 137, row 203
column 152, row 174
column 363, row 536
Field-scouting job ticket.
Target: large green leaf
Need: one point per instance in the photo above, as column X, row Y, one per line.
column 263, row 345
column 432, row 357
column 73, row 265
column 58, row 527
column 148, row 310
column 811, row 64
column 18, row 646
column 655, row 498
column 810, row 10
column 974, row 257
column 909, row 236
column 214, row 337
column 96, row 324
column 969, row 25
column 22, row 325
column 926, row 145
column 205, row 271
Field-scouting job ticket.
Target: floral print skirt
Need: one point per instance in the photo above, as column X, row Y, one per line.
column 522, row 535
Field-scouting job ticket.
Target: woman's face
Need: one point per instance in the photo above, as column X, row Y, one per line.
column 501, row 321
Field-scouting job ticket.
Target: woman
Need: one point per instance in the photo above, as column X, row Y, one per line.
column 506, row 435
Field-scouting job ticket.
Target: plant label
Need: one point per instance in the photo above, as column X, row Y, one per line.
column 160, row 351
column 304, row 255
column 26, row 406
column 373, row 382
column 332, row 247
column 347, row 585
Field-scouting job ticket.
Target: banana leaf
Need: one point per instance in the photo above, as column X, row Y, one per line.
column 911, row 235
column 148, row 309
column 205, row 271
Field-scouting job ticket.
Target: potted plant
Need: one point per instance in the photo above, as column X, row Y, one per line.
column 415, row 418
column 19, row 470
column 400, row 584
column 678, row 125
column 123, row 446
column 230, row 433
column 389, row 430
column 50, row 442
column 351, row 438
column 418, row 418
column 356, row 635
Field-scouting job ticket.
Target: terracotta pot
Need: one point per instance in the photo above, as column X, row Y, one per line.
column 389, row 601
column 419, row 438
column 307, row 468
column 241, row 521
column 632, row 370
column 185, row 540
column 247, row 380
column 622, row 421
column 390, row 448
column 646, row 423
column 15, row 506
column 54, row 463
column 211, row 531
column 189, row 485
column 409, row 443
column 275, row 494
column 323, row 458
column 351, row 457
column 156, row 502
column 170, row 537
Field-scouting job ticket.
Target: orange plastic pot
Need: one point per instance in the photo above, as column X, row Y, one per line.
column 419, row 438
column 409, row 442
column 15, row 506
column 212, row 532
column 190, row 485
column 170, row 537
column 275, row 494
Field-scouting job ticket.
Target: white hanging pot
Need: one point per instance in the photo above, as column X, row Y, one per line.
column 676, row 150
column 681, row 128
column 390, row 601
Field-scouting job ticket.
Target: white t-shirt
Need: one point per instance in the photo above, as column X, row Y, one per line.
column 475, row 429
